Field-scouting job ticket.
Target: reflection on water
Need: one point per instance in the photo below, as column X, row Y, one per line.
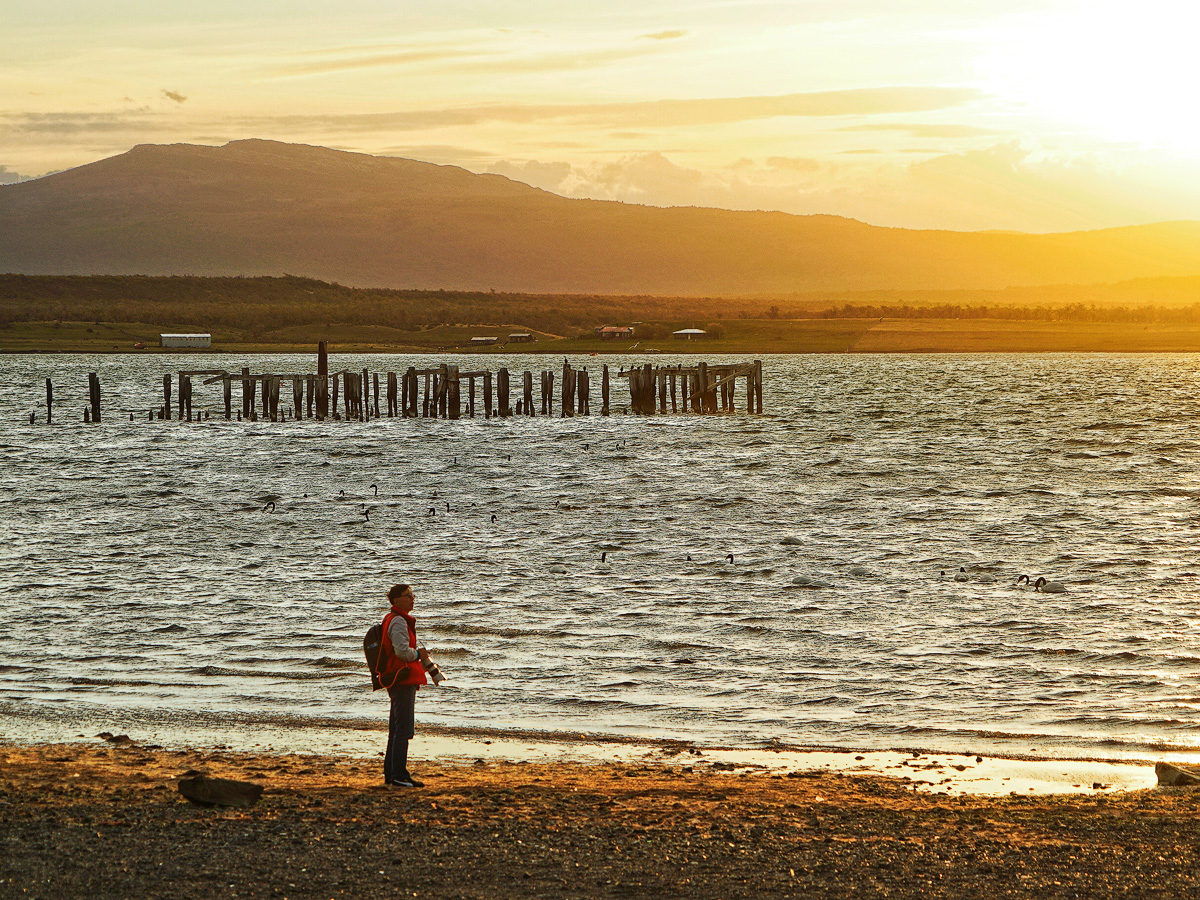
column 139, row 571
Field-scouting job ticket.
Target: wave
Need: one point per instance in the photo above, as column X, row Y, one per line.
column 222, row 671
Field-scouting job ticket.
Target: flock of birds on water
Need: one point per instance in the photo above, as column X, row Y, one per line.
column 1041, row 584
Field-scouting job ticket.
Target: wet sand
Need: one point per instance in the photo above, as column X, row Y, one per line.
column 102, row 819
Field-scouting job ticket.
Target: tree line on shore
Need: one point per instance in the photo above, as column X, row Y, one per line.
column 259, row 305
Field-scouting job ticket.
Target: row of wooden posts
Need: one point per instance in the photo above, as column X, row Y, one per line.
column 437, row 392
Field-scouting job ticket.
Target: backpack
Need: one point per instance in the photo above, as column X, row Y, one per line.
column 372, row 645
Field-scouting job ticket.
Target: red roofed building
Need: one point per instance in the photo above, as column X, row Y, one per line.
column 610, row 332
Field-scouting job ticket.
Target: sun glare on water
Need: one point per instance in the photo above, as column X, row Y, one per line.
column 1122, row 71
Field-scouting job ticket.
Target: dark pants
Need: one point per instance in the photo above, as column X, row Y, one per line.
column 400, row 731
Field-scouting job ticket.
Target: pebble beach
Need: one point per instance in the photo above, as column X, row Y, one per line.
column 106, row 820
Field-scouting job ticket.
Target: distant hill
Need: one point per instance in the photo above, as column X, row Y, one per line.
column 265, row 208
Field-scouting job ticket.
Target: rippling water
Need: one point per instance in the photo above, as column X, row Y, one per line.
column 139, row 573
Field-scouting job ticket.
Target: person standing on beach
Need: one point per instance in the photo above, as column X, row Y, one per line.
column 401, row 670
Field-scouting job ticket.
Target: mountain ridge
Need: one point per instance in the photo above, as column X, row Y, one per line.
column 256, row 207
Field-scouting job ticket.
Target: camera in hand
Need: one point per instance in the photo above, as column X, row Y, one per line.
column 435, row 674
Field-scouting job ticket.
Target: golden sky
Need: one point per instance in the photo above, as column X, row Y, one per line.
column 1037, row 115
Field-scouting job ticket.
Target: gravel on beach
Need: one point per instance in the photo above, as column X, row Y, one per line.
column 107, row 821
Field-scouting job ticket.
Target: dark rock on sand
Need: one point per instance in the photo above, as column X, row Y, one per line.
column 1175, row 776
column 205, row 791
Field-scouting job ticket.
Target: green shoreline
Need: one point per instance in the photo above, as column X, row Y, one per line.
column 742, row 336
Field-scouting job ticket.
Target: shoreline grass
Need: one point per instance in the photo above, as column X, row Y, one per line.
column 741, row 336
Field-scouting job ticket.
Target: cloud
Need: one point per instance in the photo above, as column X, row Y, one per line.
column 76, row 123
column 669, row 35
column 549, row 176
column 472, row 60
column 1009, row 186
column 641, row 114
column 174, row 95
column 925, row 130
column 374, row 60
column 795, row 163
column 8, row 176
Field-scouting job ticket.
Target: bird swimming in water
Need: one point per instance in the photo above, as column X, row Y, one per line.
column 375, row 488
column 1049, row 587
column 961, row 575
column 270, row 507
column 432, row 511
column 447, row 506
column 493, row 518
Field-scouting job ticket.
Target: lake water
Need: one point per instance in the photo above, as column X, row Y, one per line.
column 143, row 586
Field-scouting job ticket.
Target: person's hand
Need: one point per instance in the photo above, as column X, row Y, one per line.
column 423, row 655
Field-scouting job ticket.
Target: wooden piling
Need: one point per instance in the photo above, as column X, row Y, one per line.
column 568, row 390
column 487, row 394
column 471, row 396
column 322, row 381
column 502, row 393
column 49, row 401
column 527, row 393
column 604, row 390
column 758, row 386
column 662, row 391
column 443, row 392
column 454, row 399
column 94, row 396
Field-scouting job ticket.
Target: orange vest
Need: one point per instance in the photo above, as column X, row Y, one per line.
column 392, row 671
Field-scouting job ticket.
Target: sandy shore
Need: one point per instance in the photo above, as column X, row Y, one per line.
column 99, row 819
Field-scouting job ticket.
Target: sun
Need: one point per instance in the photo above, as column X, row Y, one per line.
column 1125, row 72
